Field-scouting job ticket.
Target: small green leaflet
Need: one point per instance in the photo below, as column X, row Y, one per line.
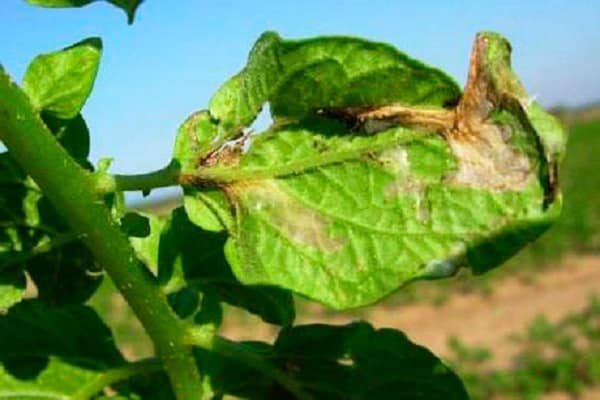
column 60, row 82
column 129, row 6
column 377, row 171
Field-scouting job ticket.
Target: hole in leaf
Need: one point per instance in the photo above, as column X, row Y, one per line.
column 262, row 121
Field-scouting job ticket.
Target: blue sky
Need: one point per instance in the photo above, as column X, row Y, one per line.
column 177, row 53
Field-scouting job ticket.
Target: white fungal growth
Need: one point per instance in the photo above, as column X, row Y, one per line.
column 489, row 161
column 296, row 221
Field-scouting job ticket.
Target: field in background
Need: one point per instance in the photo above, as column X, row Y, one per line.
column 529, row 328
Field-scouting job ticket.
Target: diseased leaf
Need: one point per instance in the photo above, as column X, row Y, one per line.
column 354, row 362
column 129, row 6
column 60, row 82
column 196, row 137
column 49, row 353
column 346, row 198
column 185, row 255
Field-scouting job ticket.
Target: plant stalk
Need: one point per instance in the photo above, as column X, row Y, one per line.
column 164, row 177
column 71, row 190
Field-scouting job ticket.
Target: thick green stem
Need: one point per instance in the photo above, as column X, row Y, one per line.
column 72, row 190
column 197, row 336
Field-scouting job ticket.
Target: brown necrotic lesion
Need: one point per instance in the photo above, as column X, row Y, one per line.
column 485, row 155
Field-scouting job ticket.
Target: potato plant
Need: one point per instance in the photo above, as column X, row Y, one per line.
column 377, row 170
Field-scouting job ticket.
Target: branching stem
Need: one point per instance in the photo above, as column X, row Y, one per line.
column 164, row 177
column 72, row 190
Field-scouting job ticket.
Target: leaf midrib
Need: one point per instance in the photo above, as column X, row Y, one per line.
column 236, row 173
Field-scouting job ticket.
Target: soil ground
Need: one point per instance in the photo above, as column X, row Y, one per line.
column 477, row 320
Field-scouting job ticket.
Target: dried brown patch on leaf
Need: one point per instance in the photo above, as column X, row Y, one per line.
column 482, row 148
column 227, row 155
column 485, row 155
column 299, row 223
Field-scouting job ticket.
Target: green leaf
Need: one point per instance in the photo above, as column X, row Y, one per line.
column 59, row 3
column 353, row 362
column 60, row 82
column 52, row 353
column 72, row 134
column 345, row 72
column 185, row 255
column 18, row 236
column 12, row 287
column 129, row 6
column 347, row 198
column 67, row 275
column 136, row 225
column 34, row 238
column 32, row 234
column 184, row 302
column 14, row 236
column 299, row 77
column 154, row 386
column 239, row 100
column 374, row 363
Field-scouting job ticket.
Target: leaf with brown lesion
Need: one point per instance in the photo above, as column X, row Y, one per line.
column 482, row 147
column 344, row 203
